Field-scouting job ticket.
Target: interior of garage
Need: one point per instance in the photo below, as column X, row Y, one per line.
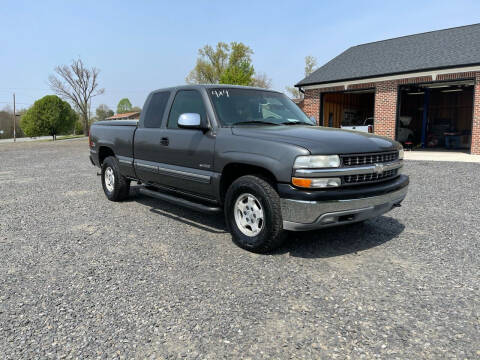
column 352, row 108
column 436, row 115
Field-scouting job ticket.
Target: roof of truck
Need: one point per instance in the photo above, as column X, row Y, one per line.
column 214, row 86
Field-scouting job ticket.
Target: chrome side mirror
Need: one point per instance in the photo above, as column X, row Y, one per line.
column 190, row 121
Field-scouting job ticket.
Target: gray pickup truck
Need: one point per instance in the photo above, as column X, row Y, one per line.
column 253, row 154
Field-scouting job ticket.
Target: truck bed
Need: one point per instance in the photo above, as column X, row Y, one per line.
column 118, row 136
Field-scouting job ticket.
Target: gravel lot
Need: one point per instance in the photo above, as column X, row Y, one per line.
column 84, row 277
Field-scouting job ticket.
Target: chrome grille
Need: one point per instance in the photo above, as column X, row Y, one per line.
column 367, row 159
column 368, row 178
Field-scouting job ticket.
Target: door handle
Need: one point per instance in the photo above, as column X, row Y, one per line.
column 164, row 141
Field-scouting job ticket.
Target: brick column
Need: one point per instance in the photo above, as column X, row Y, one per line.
column 311, row 103
column 386, row 108
column 476, row 117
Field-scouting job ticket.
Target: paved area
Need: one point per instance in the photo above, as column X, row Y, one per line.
column 82, row 277
column 428, row 155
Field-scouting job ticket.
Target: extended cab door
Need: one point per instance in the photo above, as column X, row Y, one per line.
column 186, row 156
column 147, row 142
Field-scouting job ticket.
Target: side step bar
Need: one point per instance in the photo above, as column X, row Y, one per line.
column 180, row 201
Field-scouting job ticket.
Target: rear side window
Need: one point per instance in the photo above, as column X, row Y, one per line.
column 186, row 101
column 156, row 108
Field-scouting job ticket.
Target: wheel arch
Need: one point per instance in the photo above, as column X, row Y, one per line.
column 234, row 170
column 103, row 152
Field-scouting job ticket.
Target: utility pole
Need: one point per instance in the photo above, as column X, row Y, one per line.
column 14, row 121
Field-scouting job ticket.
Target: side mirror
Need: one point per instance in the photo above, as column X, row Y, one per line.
column 190, row 121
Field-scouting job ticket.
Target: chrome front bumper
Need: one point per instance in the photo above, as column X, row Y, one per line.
column 299, row 215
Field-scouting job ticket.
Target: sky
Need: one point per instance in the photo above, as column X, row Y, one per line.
column 140, row 46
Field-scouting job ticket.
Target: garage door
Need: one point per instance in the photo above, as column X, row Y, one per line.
column 436, row 115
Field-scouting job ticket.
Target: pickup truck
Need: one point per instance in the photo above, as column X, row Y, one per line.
column 366, row 126
column 252, row 154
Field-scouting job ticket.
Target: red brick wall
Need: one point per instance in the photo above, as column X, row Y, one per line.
column 386, row 95
column 476, row 117
column 385, row 112
column 311, row 103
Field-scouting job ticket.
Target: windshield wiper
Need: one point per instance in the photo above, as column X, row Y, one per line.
column 295, row 123
column 255, row 122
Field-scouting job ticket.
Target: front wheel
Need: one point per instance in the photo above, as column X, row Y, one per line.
column 115, row 185
column 253, row 214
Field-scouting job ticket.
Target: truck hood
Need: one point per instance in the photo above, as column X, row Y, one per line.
column 319, row 140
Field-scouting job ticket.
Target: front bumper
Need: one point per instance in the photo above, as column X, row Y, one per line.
column 301, row 215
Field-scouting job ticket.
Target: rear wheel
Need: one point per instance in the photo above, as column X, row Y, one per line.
column 115, row 185
column 253, row 214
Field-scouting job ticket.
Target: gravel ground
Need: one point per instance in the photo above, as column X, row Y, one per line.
column 83, row 277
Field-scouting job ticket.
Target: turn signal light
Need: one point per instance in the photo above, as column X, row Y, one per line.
column 316, row 183
column 305, row 183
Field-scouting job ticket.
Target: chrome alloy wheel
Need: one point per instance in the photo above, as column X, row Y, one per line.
column 249, row 215
column 109, row 179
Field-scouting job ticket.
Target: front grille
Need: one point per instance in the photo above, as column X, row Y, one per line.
column 369, row 178
column 368, row 159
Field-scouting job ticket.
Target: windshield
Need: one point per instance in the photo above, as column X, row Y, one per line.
column 246, row 106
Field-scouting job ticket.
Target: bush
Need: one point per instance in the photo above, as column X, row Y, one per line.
column 78, row 127
column 48, row 116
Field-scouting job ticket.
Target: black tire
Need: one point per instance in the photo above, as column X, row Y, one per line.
column 271, row 234
column 121, row 185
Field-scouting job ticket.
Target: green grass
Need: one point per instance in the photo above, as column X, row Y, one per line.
column 65, row 137
column 62, row 137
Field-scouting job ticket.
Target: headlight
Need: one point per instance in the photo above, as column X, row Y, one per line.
column 316, row 183
column 400, row 154
column 317, row 161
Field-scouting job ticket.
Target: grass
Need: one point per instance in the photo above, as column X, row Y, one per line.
column 66, row 137
column 62, row 137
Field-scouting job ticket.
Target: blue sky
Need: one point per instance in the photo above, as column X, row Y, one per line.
column 140, row 46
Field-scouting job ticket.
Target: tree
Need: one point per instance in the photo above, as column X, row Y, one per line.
column 136, row 109
column 226, row 64
column 210, row 65
column 310, row 67
column 103, row 111
column 78, row 84
column 48, row 116
column 262, row 81
column 124, row 106
column 294, row 92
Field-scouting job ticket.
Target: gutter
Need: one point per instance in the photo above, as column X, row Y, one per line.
column 433, row 72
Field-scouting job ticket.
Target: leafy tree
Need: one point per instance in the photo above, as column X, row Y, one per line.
column 103, row 112
column 78, row 84
column 124, row 106
column 136, row 109
column 226, row 64
column 78, row 128
column 211, row 64
column 48, row 116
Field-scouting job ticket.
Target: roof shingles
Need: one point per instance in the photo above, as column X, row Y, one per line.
column 432, row 50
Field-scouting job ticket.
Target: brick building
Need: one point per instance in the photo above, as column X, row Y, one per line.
column 422, row 90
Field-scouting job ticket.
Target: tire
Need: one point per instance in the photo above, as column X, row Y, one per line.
column 119, row 188
column 257, row 198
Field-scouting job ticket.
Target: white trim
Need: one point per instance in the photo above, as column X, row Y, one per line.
column 432, row 73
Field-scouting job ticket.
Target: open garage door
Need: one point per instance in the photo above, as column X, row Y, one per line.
column 436, row 115
column 350, row 109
